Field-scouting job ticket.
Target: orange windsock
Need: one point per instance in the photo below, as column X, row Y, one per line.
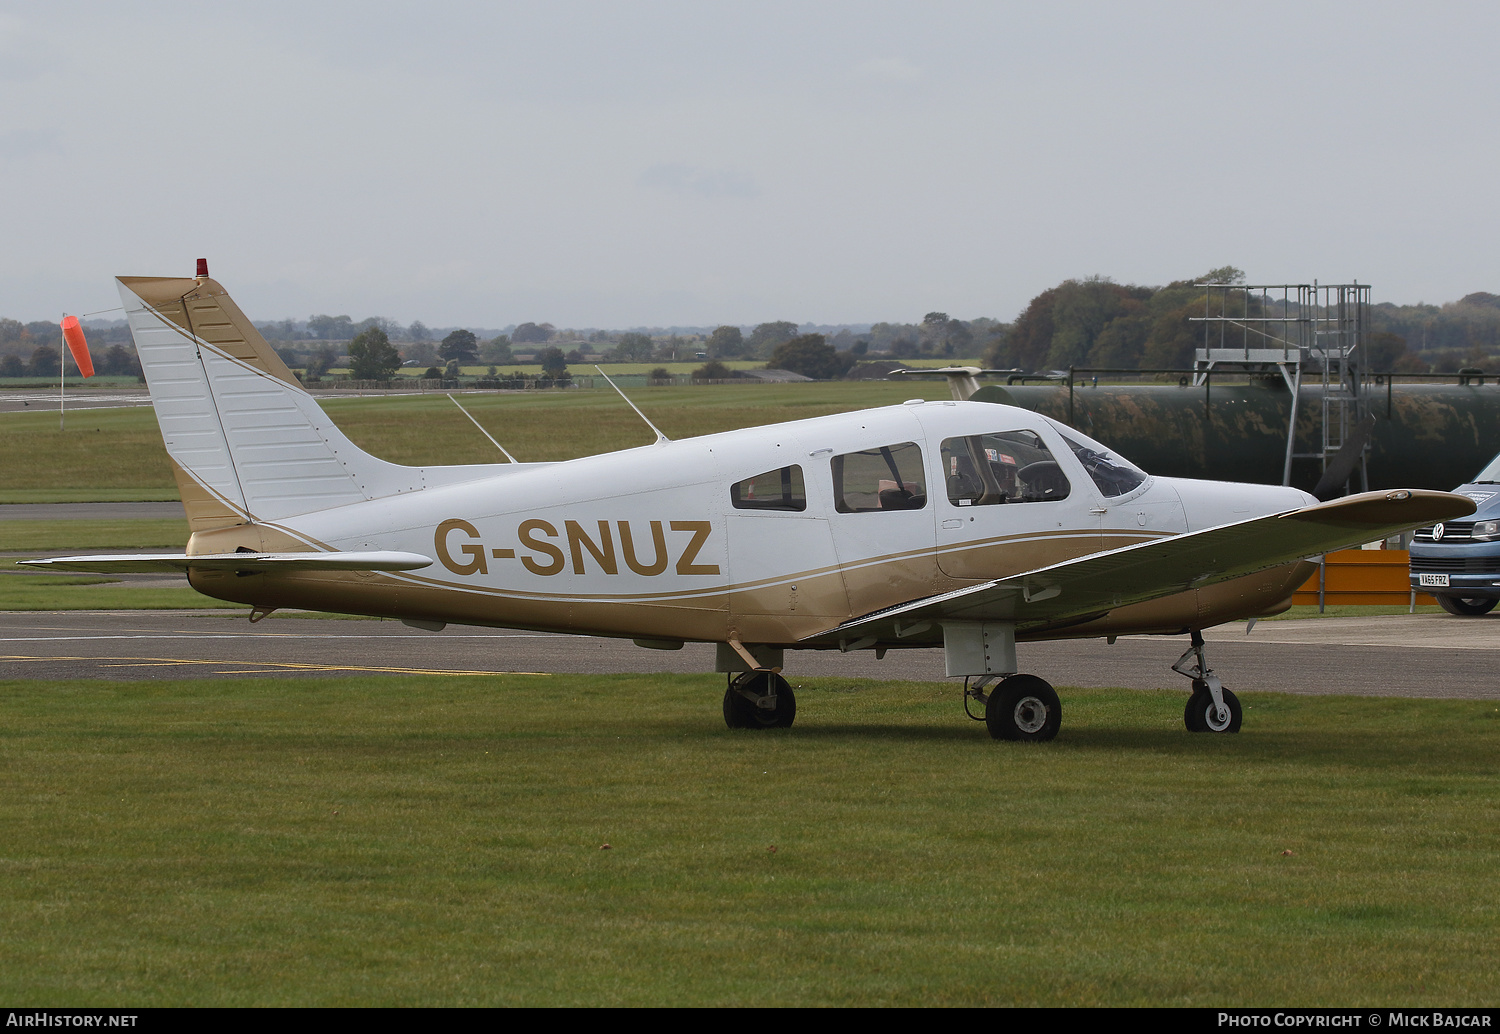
column 73, row 335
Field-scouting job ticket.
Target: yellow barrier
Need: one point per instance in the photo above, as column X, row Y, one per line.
column 1362, row 577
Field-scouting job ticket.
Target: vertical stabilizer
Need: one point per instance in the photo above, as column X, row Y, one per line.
column 246, row 441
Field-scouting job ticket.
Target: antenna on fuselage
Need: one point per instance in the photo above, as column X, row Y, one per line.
column 482, row 431
column 659, row 436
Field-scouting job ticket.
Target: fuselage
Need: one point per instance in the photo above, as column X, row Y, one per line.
column 769, row 534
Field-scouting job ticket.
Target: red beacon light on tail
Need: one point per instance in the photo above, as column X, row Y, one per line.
column 202, row 273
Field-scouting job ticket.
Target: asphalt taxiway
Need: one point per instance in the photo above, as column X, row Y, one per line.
column 48, row 401
column 1422, row 655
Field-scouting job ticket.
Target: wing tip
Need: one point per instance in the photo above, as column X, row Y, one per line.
column 1414, row 506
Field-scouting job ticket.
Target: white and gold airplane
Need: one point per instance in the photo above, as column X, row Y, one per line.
column 964, row 525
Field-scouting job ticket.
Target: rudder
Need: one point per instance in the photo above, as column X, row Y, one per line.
column 246, row 441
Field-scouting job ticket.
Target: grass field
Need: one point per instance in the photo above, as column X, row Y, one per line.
column 117, row 454
column 84, row 494
column 564, row 425
column 398, row 841
column 22, row 590
column 18, row 535
column 113, row 450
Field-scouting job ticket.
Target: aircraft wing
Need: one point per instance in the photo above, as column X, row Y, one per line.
column 383, row 560
column 1080, row 590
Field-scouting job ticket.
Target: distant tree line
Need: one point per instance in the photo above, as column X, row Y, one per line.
column 1092, row 322
column 313, row 345
column 1098, row 323
column 1465, row 333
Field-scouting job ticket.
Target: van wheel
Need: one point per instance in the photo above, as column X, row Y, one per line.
column 1466, row 608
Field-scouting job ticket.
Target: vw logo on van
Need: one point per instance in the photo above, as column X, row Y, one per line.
column 1437, row 533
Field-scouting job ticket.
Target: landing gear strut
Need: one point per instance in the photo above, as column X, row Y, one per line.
column 759, row 700
column 1211, row 708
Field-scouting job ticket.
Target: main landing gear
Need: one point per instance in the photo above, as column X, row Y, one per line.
column 759, row 700
column 1021, row 707
column 1016, row 707
column 1211, row 708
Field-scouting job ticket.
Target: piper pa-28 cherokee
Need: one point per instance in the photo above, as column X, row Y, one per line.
column 969, row 526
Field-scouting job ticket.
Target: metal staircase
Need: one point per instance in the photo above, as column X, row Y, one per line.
column 1309, row 333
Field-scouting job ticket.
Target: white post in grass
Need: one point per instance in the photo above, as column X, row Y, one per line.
column 62, row 379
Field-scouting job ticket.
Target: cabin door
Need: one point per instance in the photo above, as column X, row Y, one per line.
column 881, row 519
column 784, row 576
column 1006, row 506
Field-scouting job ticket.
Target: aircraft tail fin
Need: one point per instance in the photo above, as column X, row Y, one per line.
column 247, row 442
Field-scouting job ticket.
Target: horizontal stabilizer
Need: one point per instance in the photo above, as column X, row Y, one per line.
column 384, row 560
column 1091, row 586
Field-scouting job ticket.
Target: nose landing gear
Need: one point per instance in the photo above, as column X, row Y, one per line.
column 1211, row 707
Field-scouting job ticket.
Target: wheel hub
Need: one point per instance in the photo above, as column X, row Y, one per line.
column 1216, row 717
column 1031, row 714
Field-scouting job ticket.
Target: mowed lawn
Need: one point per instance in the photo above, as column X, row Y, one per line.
column 117, row 454
column 543, row 425
column 551, row 840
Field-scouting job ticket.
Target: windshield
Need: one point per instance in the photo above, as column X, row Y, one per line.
column 1112, row 473
column 1490, row 475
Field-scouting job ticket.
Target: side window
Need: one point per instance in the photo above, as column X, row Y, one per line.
column 1007, row 467
column 774, row 490
column 887, row 478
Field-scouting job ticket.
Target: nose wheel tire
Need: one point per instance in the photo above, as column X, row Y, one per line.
column 1023, row 707
column 1201, row 715
column 749, row 691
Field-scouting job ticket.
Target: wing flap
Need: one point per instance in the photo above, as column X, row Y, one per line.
column 379, row 560
column 1086, row 588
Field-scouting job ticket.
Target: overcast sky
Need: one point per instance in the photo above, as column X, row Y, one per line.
column 622, row 164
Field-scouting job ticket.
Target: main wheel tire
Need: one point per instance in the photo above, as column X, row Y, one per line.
column 740, row 713
column 1466, row 608
column 1201, row 715
column 1023, row 707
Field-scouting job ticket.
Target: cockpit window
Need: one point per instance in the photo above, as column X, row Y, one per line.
column 774, row 490
column 1113, row 473
column 1005, row 467
column 887, row 478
